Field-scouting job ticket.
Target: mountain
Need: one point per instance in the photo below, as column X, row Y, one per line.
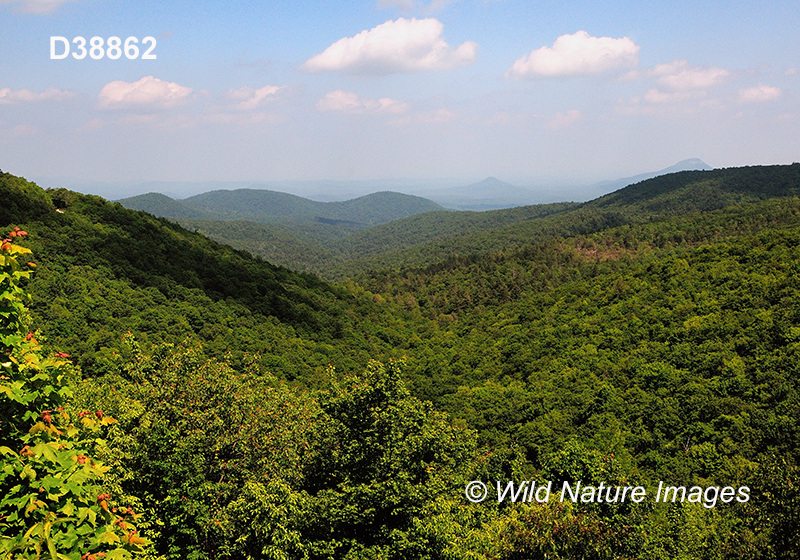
column 266, row 206
column 651, row 199
column 104, row 270
column 692, row 164
column 319, row 247
column 489, row 194
column 340, row 250
column 692, row 191
column 161, row 205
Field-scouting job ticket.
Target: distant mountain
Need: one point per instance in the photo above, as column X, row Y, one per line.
column 336, row 250
column 692, row 164
column 161, row 205
column 266, row 206
column 380, row 207
column 250, row 204
column 489, row 194
column 420, row 241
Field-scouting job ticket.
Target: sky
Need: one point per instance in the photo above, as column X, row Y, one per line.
column 530, row 92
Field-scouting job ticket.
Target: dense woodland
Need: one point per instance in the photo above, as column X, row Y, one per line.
column 249, row 411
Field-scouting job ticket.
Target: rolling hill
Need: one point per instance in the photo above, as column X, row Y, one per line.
column 106, row 270
column 652, row 199
column 649, row 335
column 266, row 206
column 320, row 247
column 489, row 194
column 339, row 249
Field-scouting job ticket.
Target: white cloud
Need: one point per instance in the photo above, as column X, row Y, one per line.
column 42, row 7
column 23, row 130
column 10, row 96
column 577, row 54
column 791, row 71
column 147, row 92
column 248, row 98
column 563, row 120
column 666, row 103
column 349, row 102
column 681, row 87
column 759, row 93
column 679, row 75
column 404, row 45
column 655, row 96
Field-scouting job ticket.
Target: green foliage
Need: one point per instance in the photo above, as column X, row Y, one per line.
column 645, row 336
column 105, row 270
column 201, row 435
column 331, row 248
column 53, row 505
column 556, row 531
column 383, row 457
column 265, row 206
column 239, row 466
column 773, row 521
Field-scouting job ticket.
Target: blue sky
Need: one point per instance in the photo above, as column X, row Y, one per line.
column 534, row 93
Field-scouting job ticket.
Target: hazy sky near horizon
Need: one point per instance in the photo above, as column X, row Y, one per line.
column 527, row 91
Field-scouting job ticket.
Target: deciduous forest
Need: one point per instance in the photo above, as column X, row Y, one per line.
column 165, row 396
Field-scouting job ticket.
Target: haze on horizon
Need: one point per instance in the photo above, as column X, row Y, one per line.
column 531, row 93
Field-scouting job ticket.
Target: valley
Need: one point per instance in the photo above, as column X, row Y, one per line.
column 345, row 380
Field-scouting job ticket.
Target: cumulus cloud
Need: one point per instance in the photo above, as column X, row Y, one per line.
column 575, row 55
column 42, row 7
column 759, row 93
column 679, row 75
column 349, row 102
column 10, row 96
column 563, row 120
column 148, row 92
column 248, row 98
column 678, row 82
column 653, row 95
column 404, row 45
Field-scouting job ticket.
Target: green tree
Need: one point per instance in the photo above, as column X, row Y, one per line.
column 382, row 458
column 53, row 504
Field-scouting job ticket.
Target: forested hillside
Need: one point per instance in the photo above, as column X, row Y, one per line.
column 320, row 248
column 650, row 336
column 265, row 206
column 105, row 270
column 667, row 195
column 339, row 250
